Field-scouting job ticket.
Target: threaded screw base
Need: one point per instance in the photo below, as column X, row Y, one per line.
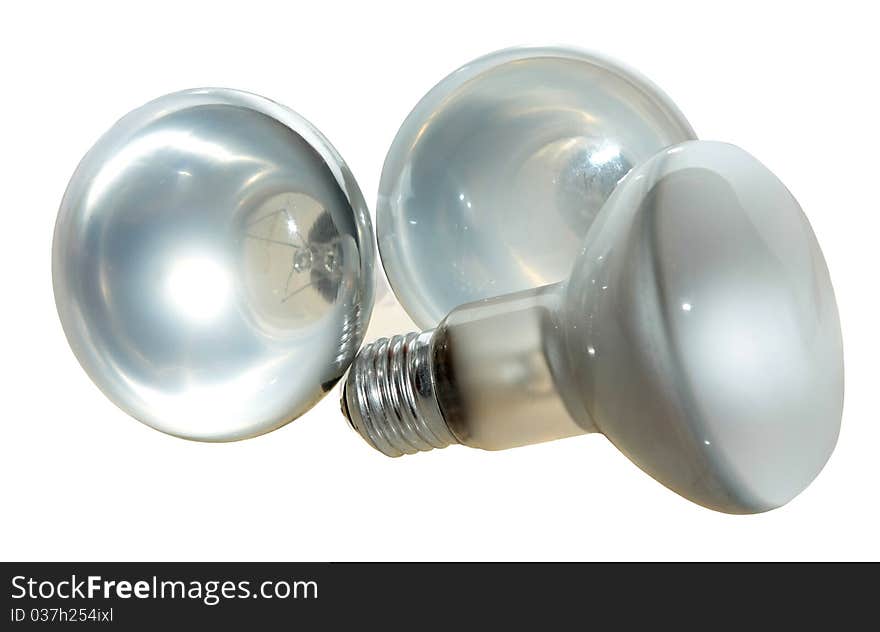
column 389, row 396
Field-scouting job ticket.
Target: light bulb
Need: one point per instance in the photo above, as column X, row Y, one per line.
column 213, row 264
column 495, row 177
column 697, row 330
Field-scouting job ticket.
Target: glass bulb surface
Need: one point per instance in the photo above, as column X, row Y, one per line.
column 497, row 174
column 702, row 333
column 213, row 264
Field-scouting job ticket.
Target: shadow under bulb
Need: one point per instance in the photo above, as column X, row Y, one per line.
column 698, row 331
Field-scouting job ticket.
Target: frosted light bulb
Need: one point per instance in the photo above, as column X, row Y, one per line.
column 698, row 331
column 213, row 264
column 495, row 177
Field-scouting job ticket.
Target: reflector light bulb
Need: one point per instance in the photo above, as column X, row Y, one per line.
column 495, row 177
column 697, row 330
column 213, row 264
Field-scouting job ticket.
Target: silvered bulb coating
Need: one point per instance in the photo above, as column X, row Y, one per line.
column 495, row 177
column 698, row 331
column 701, row 332
column 212, row 264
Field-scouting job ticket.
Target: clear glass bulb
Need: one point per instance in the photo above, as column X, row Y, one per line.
column 495, row 177
column 698, row 331
column 213, row 264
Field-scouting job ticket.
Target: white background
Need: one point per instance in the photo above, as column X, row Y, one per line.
column 794, row 84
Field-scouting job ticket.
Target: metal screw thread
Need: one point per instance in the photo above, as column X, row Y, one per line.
column 389, row 396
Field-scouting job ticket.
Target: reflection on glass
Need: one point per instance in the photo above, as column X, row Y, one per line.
column 198, row 287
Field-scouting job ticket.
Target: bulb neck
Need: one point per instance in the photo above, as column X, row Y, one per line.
column 486, row 377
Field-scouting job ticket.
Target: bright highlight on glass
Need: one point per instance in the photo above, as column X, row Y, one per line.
column 198, row 288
